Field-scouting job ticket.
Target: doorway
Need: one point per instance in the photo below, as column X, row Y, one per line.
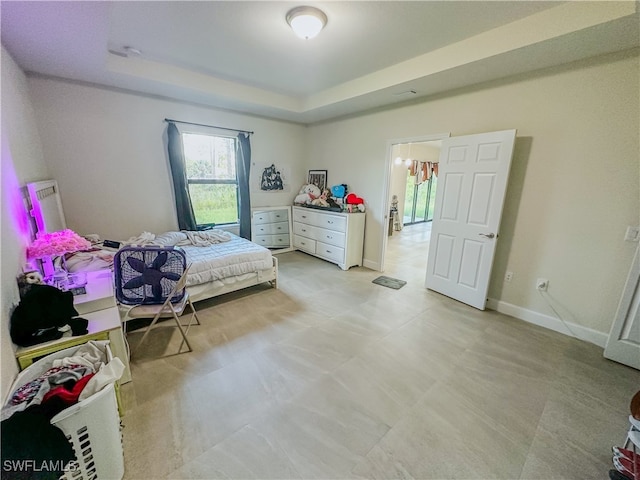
column 410, row 195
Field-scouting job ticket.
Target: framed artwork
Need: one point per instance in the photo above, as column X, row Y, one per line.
column 271, row 179
column 318, row 178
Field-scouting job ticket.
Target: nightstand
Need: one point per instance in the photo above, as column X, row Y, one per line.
column 98, row 306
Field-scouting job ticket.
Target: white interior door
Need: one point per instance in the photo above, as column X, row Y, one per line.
column 623, row 344
column 472, row 181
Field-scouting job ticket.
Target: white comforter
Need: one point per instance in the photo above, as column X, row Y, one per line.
column 212, row 254
column 227, row 259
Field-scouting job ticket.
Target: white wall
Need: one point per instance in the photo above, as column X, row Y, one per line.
column 574, row 186
column 22, row 162
column 107, row 149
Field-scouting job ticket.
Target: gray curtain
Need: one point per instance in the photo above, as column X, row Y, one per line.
column 243, row 166
column 186, row 217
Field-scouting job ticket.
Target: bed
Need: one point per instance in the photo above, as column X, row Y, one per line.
column 221, row 262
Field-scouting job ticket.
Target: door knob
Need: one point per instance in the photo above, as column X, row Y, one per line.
column 488, row 235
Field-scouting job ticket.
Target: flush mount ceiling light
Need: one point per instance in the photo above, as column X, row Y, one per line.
column 306, row 22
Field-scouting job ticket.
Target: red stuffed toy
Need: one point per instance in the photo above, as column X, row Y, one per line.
column 353, row 199
column 354, row 203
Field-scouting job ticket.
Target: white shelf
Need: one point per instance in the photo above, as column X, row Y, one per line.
column 99, row 321
column 99, row 294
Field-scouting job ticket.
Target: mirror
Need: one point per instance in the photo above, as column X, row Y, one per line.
column 271, row 227
column 46, row 206
column 46, row 211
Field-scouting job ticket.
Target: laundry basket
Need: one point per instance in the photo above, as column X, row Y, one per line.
column 91, row 425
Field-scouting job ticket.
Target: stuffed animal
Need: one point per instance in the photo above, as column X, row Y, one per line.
column 308, row 193
column 332, row 202
column 27, row 279
column 353, row 199
column 354, row 203
column 322, row 200
column 339, row 191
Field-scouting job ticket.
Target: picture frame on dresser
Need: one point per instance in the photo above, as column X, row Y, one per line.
column 318, row 178
column 272, row 228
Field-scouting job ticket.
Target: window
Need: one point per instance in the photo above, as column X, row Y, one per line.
column 210, row 161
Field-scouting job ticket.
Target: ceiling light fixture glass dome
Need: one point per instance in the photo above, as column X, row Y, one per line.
column 306, row 22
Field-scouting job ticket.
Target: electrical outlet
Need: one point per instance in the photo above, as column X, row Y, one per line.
column 632, row 234
column 508, row 277
column 542, row 284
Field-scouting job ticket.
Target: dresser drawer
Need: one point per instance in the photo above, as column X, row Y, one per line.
column 322, row 220
column 304, row 230
column 271, row 228
column 279, row 216
column 261, row 217
column 280, row 228
column 330, row 252
column 262, row 229
column 270, row 216
column 332, row 222
column 280, row 241
column 305, row 215
column 264, row 240
column 304, row 243
column 329, row 236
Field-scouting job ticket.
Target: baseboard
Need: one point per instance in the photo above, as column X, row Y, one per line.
column 371, row 264
column 547, row 321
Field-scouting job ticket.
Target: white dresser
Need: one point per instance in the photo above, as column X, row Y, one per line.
column 271, row 227
column 333, row 236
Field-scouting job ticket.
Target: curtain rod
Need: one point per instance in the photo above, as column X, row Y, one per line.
column 211, row 126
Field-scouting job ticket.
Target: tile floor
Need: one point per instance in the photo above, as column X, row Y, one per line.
column 334, row 377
